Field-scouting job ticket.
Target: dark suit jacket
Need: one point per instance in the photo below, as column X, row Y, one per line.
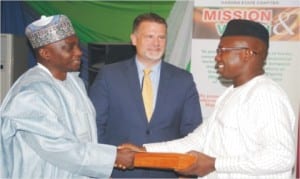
column 116, row 95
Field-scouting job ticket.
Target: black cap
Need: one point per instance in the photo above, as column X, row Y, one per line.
column 247, row 28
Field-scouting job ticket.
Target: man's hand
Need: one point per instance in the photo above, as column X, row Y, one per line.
column 133, row 147
column 125, row 158
column 203, row 165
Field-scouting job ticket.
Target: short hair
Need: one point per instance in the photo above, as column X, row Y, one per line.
column 150, row 17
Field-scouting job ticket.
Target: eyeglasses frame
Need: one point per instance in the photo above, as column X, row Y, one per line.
column 225, row 49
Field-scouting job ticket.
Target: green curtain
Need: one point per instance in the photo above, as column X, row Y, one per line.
column 102, row 21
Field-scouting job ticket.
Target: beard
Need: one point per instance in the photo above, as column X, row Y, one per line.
column 154, row 55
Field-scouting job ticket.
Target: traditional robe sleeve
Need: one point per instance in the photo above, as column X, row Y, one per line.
column 36, row 117
column 193, row 141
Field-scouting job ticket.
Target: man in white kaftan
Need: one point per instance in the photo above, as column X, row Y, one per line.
column 250, row 133
column 39, row 111
column 48, row 127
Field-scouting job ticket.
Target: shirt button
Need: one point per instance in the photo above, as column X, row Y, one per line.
column 148, row 132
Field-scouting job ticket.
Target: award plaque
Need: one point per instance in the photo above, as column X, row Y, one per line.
column 173, row 161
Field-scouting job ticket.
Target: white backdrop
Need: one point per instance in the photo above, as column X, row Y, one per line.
column 282, row 18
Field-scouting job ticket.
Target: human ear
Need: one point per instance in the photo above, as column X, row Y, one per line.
column 249, row 53
column 133, row 39
column 44, row 53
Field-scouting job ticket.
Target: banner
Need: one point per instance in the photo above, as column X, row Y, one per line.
column 282, row 20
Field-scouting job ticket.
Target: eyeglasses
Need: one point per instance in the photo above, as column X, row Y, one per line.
column 224, row 49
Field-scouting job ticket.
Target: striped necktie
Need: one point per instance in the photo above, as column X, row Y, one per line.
column 147, row 93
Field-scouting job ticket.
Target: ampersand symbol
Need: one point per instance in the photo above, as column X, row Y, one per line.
column 283, row 17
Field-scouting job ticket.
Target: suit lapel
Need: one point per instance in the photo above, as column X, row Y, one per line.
column 163, row 90
column 135, row 89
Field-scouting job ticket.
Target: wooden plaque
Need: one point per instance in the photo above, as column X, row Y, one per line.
column 163, row 160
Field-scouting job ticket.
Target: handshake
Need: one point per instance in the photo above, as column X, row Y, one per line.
column 126, row 155
column 130, row 156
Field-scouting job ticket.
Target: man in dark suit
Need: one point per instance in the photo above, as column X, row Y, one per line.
column 119, row 101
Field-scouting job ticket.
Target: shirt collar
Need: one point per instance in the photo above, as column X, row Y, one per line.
column 44, row 68
column 141, row 67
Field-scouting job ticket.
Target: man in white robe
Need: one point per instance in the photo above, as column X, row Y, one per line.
column 48, row 127
column 250, row 134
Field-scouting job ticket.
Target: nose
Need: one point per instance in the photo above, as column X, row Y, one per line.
column 218, row 57
column 156, row 42
column 78, row 51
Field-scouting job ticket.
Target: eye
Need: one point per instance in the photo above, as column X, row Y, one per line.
column 162, row 37
column 149, row 36
column 70, row 46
